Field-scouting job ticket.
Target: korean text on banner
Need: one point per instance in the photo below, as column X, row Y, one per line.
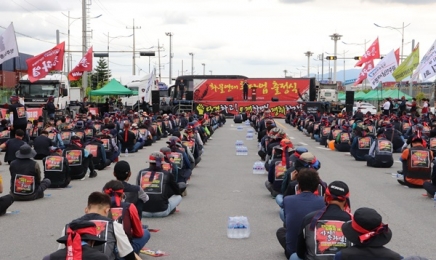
column 39, row 66
column 364, row 73
column 407, row 66
column 85, row 64
column 424, row 61
column 8, row 44
column 373, row 52
column 383, row 69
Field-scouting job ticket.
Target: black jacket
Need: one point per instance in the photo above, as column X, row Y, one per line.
column 87, row 253
column 42, row 145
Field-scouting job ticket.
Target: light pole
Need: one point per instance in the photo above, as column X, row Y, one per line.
column 300, row 71
column 204, row 68
column 109, row 40
column 308, row 54
column 192, row 62
column 68, row 48
column 170, row 34
column 210, row 72
column 335, row 37
column 286, row 72
column 398, row 30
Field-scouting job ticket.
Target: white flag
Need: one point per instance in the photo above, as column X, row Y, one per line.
column 8, row 44
column 146, row 86
column 424, row 61
column 383, row 69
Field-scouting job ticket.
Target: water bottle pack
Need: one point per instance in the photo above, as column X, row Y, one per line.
column 240, row 128
column 258, row 168
column 238, row 227
column 241, row 150
column 249, row 136
column 247, row 122
column 239, row 143
column 250, row 130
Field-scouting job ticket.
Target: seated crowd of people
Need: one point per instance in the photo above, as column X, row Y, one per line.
column 317, row 219
column 70, row 148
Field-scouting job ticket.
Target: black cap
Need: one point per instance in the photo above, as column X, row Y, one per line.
column 338, row 188
column 122, row 167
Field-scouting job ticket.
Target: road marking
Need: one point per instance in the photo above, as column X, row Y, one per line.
column 347, row 154
column 292, row 138
column 302, row 143
column 398, row 161
column 323, row 148
column 281, row 125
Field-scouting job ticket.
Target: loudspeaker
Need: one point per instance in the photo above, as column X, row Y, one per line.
column 229, row 99
column 349, row 109
column 155, row 99
column 189, row 95
column 155, row 108
column 349, row 98
column 274, row 99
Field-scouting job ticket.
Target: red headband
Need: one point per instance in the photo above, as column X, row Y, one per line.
column 116, row 194
column 74, row 241
column 368, row 234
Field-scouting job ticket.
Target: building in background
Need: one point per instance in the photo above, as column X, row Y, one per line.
column 12, row 70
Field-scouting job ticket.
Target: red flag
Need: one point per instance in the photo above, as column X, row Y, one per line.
column 85, row 64
column 397, row 55
column 364, row 73
column 373, row 52
column 39, row 66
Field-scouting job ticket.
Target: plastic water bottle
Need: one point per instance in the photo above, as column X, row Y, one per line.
column 231, row 226
column 238, row 227
column 239, row 143
column 434, row 200
column 126, row 153
column 244, row 150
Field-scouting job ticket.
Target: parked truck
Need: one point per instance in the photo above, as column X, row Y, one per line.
column 328, row 93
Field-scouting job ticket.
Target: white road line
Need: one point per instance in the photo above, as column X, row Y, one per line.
column 323, row 148
column 292, row 138
column 302, row 143
column 398, row 161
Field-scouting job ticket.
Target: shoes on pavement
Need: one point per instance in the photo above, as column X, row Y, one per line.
column 93, row 174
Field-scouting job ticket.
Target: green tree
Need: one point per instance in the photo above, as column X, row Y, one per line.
column 101, row 73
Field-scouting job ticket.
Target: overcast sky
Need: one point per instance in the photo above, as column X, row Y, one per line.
column 255, row 38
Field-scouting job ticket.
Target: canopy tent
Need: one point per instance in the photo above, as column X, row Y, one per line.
column 341, row 96
column 380, row 95
column 112, row 88
column 358, row 95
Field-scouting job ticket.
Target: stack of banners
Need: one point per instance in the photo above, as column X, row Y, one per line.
column 33, row 113
column 52, row 60
column 85, row 64
column 8, row 44
column 383, row 69
column 407, row 66
column 373, row 52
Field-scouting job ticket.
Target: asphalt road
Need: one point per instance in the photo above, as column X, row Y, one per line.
column 221, row 186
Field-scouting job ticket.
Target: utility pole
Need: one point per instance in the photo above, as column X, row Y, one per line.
column 285, row 71
column 84, row 47
column 134, row 60
column 308, row 54
column 182, row 67
column 192, row 62
column 158, row 52
column 335, row 37
column 321, row 56
column 170, row 34
column 68, row 57
column 204, row 68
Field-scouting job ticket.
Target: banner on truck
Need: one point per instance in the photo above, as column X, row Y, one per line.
column 278, row 109
column 265, row 89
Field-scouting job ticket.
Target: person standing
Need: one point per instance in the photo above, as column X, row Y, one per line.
column 12, row 146
column 17, row 116
column 181, row 89
column 386, row 107
column 402, row 106
column 50, row 107
column 245, row 90
column 424, row 110
column 5, row 201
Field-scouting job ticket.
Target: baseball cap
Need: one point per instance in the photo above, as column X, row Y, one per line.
column 338, row 188
column 122, row 167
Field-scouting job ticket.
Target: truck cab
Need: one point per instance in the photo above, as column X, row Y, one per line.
column 36, row 94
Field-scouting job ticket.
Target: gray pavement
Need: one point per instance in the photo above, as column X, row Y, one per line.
column 223, row 185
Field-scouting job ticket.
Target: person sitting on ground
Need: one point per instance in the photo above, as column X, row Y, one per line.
column 342, row 141
column 42, row 145
column 296, row 207
column 97, row 211
column 416, row 162
column 80, row 242
column 125, row 213
column 369, row 236
column 380, row 153
column 361, row 143
column 127, row 139
column 5, row 201
column 161, row 187
column 337, row 198
column 13, row 145
column 79, row 159
column 26, row 181
column 98, row 152
column 57, row 169
column 134, row 193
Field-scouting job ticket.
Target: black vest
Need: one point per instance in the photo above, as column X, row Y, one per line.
column 418, row 164
column 23, row 177
column 56, row 169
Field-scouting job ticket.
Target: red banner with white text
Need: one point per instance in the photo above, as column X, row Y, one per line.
column 32, row 113
column 85, row 64
column 39, row 66
column 265, row 89
column 373, row 52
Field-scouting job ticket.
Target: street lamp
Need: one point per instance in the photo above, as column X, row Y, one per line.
column 192, row 62
column 204, row 68
column 110, row 40
column 335, row 37
column 285, row 71
column 69, row 65
column 170, row 34
column 398, row 30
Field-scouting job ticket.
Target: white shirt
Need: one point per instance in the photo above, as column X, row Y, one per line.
column 386, row 105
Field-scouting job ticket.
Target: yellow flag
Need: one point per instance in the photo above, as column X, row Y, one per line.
column 407, row 66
